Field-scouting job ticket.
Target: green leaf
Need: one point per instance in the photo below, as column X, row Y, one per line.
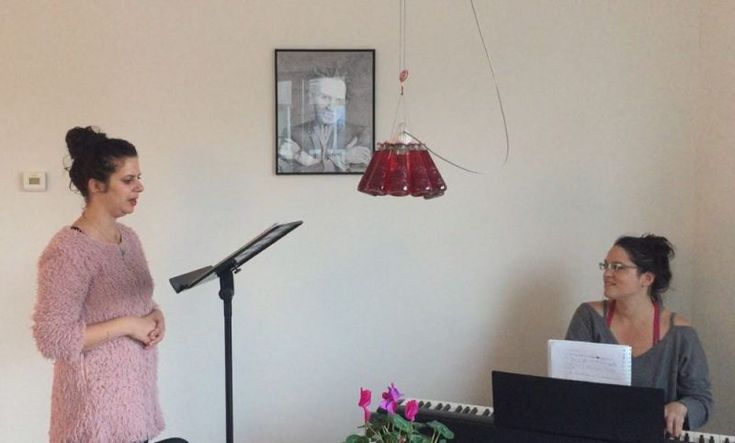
column 441, row 429
column 401, row 424
column 419, row 438
column 354, row 438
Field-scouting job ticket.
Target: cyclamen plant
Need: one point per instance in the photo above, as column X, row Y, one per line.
column 387, row 426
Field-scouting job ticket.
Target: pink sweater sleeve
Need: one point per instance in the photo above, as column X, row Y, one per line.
column 63, row 283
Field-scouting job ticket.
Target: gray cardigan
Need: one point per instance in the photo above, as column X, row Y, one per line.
column 676, row 364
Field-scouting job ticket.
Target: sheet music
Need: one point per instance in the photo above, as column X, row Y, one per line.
column 585, row 361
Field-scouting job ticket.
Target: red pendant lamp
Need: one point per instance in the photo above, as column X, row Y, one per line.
column 402, row 165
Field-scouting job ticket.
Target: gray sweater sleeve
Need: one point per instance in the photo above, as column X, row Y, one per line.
column 582, row 327
column 693, row 384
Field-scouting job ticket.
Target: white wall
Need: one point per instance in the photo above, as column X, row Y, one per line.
column 716, row 203
column 601, row 99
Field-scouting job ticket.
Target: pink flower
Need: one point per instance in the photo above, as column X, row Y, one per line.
column 365, row 396
column 390, row 399
column 412, row 408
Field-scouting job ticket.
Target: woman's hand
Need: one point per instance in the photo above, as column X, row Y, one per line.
column 140, row 328
column 147, row 330
column 159, row 331
column 675, row 413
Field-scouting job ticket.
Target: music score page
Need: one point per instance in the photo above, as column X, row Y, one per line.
column 594, row 362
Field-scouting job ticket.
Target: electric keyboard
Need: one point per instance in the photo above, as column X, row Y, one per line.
column 474, row 423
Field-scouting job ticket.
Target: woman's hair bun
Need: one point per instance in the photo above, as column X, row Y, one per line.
column 651, row 253
column 79, row 140
column 660, row 247
column 94, row 156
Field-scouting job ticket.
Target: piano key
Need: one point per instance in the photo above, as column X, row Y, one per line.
column 450, row 409
column 700, row 437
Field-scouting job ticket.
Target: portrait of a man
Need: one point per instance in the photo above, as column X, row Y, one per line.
column 325, row 111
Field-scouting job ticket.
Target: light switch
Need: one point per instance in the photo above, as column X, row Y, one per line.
column 34, row 181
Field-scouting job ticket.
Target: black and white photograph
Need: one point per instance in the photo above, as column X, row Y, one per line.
column 325, row 113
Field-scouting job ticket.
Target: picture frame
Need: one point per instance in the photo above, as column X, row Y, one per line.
column 325, row 111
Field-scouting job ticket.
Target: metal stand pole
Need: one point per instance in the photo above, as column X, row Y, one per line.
column 226, row 292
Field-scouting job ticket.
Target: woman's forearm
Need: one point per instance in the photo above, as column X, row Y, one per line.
column 99, row 333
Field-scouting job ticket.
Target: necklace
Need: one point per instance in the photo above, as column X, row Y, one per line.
column 105, row 236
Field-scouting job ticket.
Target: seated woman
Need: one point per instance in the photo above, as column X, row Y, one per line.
column 667, row 353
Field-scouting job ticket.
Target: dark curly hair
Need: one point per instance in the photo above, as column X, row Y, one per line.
column 651, row 253
column 94, row 155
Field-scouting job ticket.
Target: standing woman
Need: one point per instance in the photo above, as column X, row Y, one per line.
column 667, row 353
column 94, row 314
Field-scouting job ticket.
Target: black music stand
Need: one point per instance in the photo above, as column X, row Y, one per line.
column 224, row 270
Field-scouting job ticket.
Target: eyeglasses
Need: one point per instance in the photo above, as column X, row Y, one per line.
column 615, row 267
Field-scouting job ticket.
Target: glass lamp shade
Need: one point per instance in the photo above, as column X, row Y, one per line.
column 402, row 168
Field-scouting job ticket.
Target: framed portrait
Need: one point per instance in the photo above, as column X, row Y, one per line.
column 325, row 110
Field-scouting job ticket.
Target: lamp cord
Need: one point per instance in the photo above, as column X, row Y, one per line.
column 401, row 105
column 495, row 81
column 405, row 131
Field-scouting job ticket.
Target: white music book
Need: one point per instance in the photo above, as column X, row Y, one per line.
column 585, row 361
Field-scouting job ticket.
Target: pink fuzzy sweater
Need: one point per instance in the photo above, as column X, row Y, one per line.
column 107, row 394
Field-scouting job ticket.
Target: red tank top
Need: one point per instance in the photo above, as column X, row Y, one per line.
column 656, row 320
